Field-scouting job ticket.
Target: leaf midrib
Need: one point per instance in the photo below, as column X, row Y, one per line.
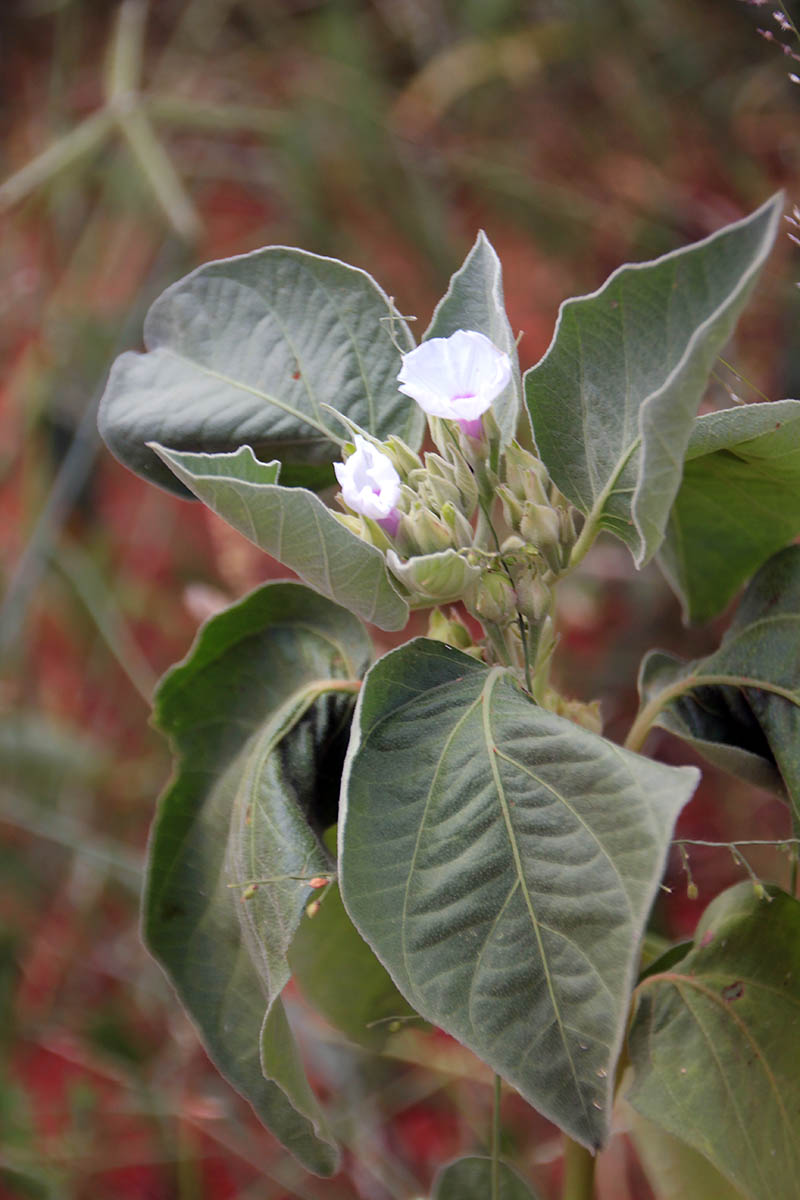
column 485, row 700
column 240, row 385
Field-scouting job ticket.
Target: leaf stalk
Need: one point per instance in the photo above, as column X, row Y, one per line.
column 579, row 1164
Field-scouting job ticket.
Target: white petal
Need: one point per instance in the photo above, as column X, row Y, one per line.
column 456, row 377
column 369, row 482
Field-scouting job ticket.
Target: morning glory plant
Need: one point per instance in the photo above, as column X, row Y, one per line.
column 440, row 816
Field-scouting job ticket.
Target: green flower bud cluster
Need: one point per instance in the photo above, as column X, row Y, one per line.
column 534, row 509
column 425, row 551
column 581, row 713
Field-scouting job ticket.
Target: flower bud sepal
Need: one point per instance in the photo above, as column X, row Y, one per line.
column 439, row 578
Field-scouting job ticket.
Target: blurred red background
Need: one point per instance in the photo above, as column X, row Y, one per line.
column 386, row 133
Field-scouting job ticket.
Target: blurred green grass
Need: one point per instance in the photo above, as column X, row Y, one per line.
column 136, row 143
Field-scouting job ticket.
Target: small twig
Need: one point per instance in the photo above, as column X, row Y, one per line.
column 778, row 843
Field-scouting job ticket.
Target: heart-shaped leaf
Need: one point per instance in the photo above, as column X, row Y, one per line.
column 474, row 300
column 501, row 862
column 248, row 350
column 614, row 399
column 740, row 707
column 294, row 526
column 256, row 724
column 716, row 1062
column 739, row 502
column 472, row 1179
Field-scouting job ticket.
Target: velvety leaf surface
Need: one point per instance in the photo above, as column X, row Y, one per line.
column 739, row 502
column 614, row 399
column 474, row 300
column 247, row 350
column 294, row 526
column 501, row 862
column 471, row 1179
column 252, row 731
column 740, row 707
column 675, row 1170
column 714, row 1045
column 341, row 978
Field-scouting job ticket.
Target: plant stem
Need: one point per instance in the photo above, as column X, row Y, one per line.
column 498, row 1084
column 579, row 1163
column 647, row 715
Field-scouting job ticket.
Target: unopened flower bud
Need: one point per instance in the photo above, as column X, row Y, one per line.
column 434, row 578
column 567, row 535
column 462, row 530
column 512, row 545
column 354, row 524
column 424, row 532
column 494, row 598
column 512, row 509
column 313, row 908
column 533, row 595
column 403, row 457
column 586, row 715
column 540, row 525
column 319, row 881
column 448, row 630
column 526, row 475
column 436, row 465
column 440, row 491
column 464, row 479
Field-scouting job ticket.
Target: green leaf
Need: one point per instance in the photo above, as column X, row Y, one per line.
column 474, row 300
column 501, row 862
column 675, row 1170
column 254, row 731
column 714, row 1046
column 667, row 958
column 614, row 399
column 341, row 978
column 739, row 502
column 294, row 526
column 740, row 707
column 471, row 1179
column 247, row 350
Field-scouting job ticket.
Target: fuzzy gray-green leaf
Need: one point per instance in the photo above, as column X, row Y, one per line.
column 716, row 1061
column 501, row 862
column 294, row 526
column 254, row 749
column 614, row 399
column 247, row 350
column 739, row 502
column 740, row 706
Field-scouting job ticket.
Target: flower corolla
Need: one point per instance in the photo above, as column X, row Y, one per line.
column 369, row 482
column 456, row 377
